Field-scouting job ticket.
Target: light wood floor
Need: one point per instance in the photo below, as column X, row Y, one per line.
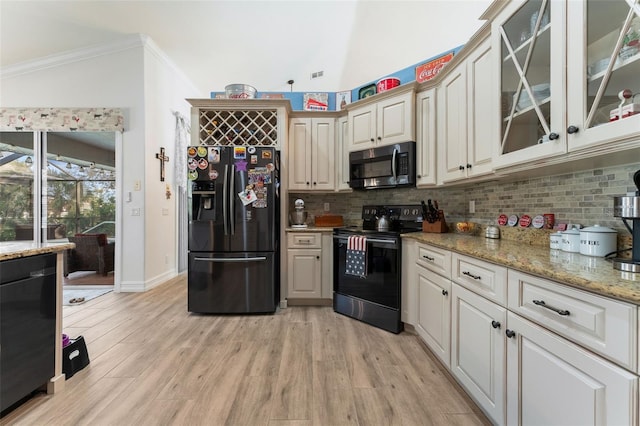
column 153, row 363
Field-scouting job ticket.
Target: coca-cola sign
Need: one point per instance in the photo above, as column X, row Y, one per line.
column 430, row 69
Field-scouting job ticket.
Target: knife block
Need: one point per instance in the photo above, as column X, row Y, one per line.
column 439, row 226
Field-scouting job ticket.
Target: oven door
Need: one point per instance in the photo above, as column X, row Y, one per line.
column 381, row 285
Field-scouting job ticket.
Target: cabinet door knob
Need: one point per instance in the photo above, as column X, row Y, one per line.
column 468, row 166
column 318, row 257
column 495, row 324
column 373, row 140
column 445, row 292
column 419, row 176
column 379, row 138
column 315, row 183
column 510, row 333
column 572, row 129
column 461, row 167
column 553, row 136
column 307, row 183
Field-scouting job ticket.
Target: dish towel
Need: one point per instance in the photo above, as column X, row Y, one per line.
column 356, row 256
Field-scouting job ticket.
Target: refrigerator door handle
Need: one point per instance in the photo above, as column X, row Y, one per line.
column 224, row 200
column 230, row 259
column 232, row 201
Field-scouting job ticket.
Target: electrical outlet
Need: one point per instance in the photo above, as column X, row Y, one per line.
column 137, row 185
column 472, row 206
column 327, row 207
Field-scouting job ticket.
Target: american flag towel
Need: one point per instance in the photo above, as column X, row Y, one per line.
column 357, row 256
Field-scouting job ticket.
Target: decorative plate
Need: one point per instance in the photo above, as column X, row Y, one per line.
column 367, row 91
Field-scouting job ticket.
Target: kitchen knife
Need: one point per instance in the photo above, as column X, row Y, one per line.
column 432, row 214
column 424, row 210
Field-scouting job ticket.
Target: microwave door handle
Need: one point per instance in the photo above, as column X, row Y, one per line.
column 225, row 209
column 393, row 165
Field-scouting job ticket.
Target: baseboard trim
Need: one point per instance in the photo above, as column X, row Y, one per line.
column 309, row 302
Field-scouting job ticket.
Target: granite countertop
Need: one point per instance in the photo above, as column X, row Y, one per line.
column 310, row 228
column 17, row 249
column 589, row 273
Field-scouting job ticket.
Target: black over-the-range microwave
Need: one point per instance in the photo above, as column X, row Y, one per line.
column 388, row 166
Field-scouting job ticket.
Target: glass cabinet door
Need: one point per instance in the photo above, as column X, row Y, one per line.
column 603, row 71
column 530, row 43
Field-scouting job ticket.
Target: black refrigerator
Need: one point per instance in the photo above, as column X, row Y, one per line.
column 234, row 228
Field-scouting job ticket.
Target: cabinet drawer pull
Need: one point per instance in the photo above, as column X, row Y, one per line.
column 495, row 324
column 562, row 312
column 431, row 259
column 469, row 274
column 445, row 292
column 304, row 241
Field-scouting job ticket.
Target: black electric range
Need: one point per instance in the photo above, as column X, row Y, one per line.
column 374, row 296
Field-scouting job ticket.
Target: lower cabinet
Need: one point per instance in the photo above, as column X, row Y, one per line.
column 478, row 350
column 525, row 371
column 433, row 319
column 552, row 381
column 309, row 266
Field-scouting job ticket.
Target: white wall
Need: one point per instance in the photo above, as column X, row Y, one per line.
column 147, row 90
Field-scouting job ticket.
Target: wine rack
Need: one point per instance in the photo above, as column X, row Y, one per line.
column 238, row 127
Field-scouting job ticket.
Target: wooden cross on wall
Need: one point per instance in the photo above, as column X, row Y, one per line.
column 163, row 159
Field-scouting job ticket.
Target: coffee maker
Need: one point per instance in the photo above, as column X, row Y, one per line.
column 628, row 208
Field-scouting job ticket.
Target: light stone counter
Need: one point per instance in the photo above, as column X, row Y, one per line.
column 310, row 228
column 17, row 249
column 593, row 274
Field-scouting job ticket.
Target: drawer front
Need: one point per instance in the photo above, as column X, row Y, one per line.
column 304, row 240
column 606, row 326
column 484, row 278
column 435, row 260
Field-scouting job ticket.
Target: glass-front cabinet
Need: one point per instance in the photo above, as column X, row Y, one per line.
column 603, row 68
column 568, row 75
column 529, row 36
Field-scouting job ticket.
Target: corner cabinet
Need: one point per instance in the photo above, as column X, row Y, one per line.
column 247, row 122
column 311, row 156
column 385, row 119
column 464, row 117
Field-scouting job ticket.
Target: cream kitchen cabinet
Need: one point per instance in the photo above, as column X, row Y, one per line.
column 559, row 80
column 478, row 350
column 551, row 381
column 311, row 156
column 383, row 120
column 603, row 59
column 250, row 122
column 304, row 265
column 433, row 290
column 342, row 155
column 426, row 138
column 464, row 117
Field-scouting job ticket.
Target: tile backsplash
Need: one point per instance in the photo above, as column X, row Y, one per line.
column 584, row 197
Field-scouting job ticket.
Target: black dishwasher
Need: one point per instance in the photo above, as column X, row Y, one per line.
column 27, row 326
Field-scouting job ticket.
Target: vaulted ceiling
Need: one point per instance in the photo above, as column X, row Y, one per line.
column 262, row 43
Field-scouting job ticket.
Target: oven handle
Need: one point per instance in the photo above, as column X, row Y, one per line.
column 373, row 240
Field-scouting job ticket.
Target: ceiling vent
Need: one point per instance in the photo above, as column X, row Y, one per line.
column 317, row 74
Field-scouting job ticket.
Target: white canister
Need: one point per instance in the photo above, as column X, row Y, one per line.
column 571, row 241
column 555, row 241
column 598, row 241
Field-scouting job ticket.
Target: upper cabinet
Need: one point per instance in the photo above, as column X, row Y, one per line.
column 386, row 121
column 603, row 64
column 311, row 155
column 567, row 75
column 426, row 137
column 528, row 37
column 248, row 122
column 341, row 153
column 465, row 133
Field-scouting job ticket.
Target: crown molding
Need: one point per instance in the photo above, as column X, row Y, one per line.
column 70, row 56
